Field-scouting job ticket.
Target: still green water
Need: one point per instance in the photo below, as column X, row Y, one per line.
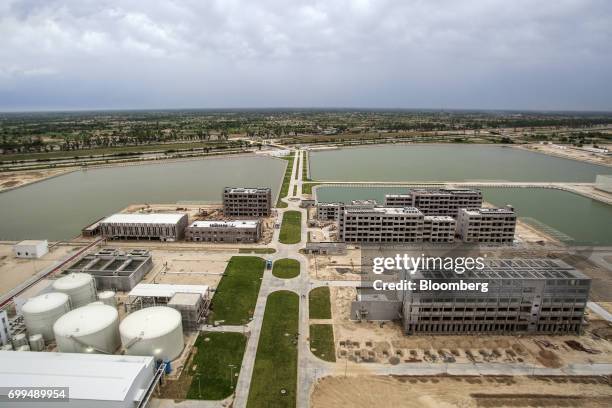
column 447, row 162
column 582, row 219
column 57, row 209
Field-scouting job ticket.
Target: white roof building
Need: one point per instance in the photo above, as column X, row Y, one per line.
column 30, row 249
column 93, row 380
column 150, row 218
column 225, row 224
column 166, row 290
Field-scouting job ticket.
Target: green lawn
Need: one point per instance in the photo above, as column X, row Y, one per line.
column 215, row 352
column 286, row 180
column 291, row 228
column 307, row 187
column 319, row 306
column 276, row 360
column 305, row 167
column 322, row 341
column 286, row 268
column 256, row 250
column 235, row 297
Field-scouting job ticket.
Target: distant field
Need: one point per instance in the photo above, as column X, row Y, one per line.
column 67, row 154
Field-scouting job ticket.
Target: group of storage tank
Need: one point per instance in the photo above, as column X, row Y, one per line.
column 92, row 326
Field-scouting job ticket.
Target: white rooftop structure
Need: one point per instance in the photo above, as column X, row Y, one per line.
column 31, row 248
column 166, row 290
column 151, row 218
column 92, row 379
column 225, row 224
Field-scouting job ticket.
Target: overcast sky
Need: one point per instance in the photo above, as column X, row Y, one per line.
column 493, row 54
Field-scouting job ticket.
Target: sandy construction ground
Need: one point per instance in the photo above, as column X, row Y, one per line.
column 187, row 267
column 465, row 392
column 21, row 178
column 571, row 153
column 14, row 271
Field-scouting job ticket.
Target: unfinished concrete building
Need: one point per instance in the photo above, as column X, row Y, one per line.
column 381, row 225
column 522, row 296
column 239, row 231
column 151, row 226
column 247, row 202
column 333, row 211
column 192, row 307
column 487, row 225
column 437, row 201
column 438, row 228
column 114, row 269
column 192, row 301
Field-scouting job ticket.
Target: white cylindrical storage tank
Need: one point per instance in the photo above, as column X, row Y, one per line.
column 41, row 312
column 153, row 331
column 81, row 287
column 19, row 340
column 25, row 347
column 108, row 297
column 88, row 329
column 37, row 342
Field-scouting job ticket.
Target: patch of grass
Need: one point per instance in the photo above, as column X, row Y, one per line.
column 256, row 250
column 305, row 167
column 215, row 352
column 295, row 190
column 291, row 228
column 286, row 180
column 319, row 305
column 235, row 297
column 276, row 360
column 307, row 187
column 286, row 268
column 322, row 341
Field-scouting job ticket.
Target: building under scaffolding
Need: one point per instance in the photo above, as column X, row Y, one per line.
column 114, row 269
column 192, row 301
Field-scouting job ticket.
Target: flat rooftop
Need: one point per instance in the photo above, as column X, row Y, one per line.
column 225, row 224
column 31, row 242
column 385, row 210
column 486, row 211
column 88, row 376
column 152, row 218
column 439, row 218
column 248, row 190
column 166, row 290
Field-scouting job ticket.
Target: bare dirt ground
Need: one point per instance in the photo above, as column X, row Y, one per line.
column 571, row 153
column 465, row 392
column 21, row 178
column 187, row 267
column 601, row 286
column 365, row 342
column 14, row 271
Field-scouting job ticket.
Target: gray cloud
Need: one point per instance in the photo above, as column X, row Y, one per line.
column 520, row 54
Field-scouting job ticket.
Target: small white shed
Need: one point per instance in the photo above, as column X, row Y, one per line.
column 31, row 249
